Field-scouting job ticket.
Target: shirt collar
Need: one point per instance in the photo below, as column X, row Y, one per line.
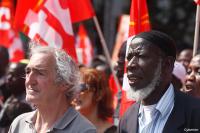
column 165, row 104
column 32, row 117
column 65, row 120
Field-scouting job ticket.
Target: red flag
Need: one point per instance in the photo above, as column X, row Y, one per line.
column 84, row 47
column 139, row 17
column 81, row 10
column 139, row 22
column 16, row 52
column 6, row 14
column 8, row 37
column 48, row 21
column 197, row 2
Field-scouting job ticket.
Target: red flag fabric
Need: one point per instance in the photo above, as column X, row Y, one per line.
column 139, row 17
column 6, row 14
column 16, row 52
column 84, row 47
column 22, row 9
column 8, row 37
column 81, row 10
column 139, row 22
column 197, row 2
column 47, row 21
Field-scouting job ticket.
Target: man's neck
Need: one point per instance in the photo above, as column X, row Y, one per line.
column 48, row 115
column 156, row 95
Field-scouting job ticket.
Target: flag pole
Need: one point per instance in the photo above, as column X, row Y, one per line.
column 103, row 42
column 196, row 35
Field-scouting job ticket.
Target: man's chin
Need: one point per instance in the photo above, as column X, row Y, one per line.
column 135, row 95
column 141, row 93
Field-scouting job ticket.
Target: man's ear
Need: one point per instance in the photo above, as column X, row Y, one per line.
column 168, row 64
column 63, row 87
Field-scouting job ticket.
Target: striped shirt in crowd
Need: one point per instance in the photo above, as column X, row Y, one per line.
column 152, row 118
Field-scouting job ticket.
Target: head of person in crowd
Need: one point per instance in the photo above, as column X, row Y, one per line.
column 95, row 93
column 4, row 60
column 192, row 82
column 15, row 104
column 151, row 57
column 185, row 56
column 16, row 77
column 52, row 80
column 100, row 63
column 119, row 68
column 52, row 73
column 95, row 100
column 179, row 75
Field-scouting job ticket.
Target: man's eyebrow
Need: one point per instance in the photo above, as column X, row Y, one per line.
column 26, row 68
column 37, row 68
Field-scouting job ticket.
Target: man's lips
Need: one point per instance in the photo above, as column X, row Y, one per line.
column 133, row 78
column 31, row 90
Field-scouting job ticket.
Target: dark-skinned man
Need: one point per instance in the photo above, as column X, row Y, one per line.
column 159, row 108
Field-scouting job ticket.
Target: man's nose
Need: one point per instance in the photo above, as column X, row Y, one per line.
column 132, row 63
column 30, row 78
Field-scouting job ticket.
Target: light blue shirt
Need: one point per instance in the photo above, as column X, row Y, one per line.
column 152, row 119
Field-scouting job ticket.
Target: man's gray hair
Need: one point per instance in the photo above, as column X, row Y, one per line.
column 67, row 71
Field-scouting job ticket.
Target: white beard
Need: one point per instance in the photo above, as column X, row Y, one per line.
column 138, row 95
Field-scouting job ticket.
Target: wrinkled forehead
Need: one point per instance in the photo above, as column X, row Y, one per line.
column 42, row 59
column 195, row 60
column 140, row 44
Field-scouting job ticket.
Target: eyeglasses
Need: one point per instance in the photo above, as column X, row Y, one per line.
column 83, row 87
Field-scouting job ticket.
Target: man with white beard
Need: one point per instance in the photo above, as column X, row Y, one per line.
column 159, row 108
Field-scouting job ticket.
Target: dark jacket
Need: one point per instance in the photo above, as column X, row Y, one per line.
column 184, row 116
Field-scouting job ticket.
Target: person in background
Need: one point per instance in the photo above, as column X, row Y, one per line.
column 100, row 63
column 192, row 82
column 121, row 62
column 123, row 103
column 15, row 104
column 178, row 75
column 185, row 56
column 4, row 61
column 95, row 100
column 16, row 79
column 160, row 107
column 52, row 80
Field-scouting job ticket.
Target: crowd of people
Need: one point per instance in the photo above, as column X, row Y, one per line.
column 50, row 92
